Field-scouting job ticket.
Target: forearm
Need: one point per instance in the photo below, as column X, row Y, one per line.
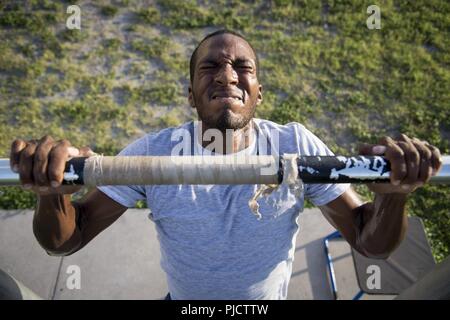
column 55, row 224
column 383, row 225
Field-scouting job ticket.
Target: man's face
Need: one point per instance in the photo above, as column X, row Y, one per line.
column 225, row 89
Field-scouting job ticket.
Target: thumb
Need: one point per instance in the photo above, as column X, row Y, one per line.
column 73, row 152
column 86, row 152
column 371, row 149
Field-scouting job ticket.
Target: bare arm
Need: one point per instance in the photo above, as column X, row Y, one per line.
column 63, row 227
column 373, row 229
column 60, row 226
column 376, row 229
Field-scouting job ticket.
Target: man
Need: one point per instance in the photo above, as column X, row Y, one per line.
column 212, row 246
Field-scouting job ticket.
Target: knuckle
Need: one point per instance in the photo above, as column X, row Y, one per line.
column 426, row 154
column 385, row 140
column 58, row 150
column 436, row 152
column 52, row 152
column 16, row 144
column 86, row 151
column 46, row 138
column 64, row 142
column 28, row 152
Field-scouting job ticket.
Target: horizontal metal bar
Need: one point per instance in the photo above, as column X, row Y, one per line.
column 216, row 170
column 356, row 169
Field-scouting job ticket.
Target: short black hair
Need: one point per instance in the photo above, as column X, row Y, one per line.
column 193, row 59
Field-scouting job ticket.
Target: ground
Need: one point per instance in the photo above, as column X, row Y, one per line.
column 129, row 269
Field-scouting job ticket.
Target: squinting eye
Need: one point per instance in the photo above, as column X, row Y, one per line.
column 209, row 66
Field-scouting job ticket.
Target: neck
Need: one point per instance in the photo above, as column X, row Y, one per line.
column 225, row 141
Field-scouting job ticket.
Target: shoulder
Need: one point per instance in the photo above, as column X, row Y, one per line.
column 156, row 143
column 289, row 131
column 292, row 130
column 294, row 137
column 270, row 125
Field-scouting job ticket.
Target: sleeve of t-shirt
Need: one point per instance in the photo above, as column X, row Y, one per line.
column 318, row 194
column 128, row 195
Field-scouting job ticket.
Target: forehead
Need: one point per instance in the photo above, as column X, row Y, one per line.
column 225, row 46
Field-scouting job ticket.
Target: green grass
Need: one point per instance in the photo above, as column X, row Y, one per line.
column 108, row 11
column 149, row 15
column 107, row 84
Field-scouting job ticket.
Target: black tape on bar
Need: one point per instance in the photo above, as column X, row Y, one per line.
column 340, row 169
column 73, row 172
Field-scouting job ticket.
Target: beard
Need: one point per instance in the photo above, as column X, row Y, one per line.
column 227, row 119
column 230, row 120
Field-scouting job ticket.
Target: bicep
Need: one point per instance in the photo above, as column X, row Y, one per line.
column 343, row 213
column 95, row 212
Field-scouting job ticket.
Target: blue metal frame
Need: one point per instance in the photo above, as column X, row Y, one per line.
column 326, row 240
column 358, row 295
column 333, row 235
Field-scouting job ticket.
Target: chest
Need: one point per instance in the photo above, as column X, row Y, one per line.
column 208, row 202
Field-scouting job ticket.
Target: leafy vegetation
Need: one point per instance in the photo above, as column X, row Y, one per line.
column 126, row 73
column 108, row 10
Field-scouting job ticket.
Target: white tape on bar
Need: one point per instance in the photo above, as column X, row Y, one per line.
column 145, row 170
column 290, row 168
column 291, row 181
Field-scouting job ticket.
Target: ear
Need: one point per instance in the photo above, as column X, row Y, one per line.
column 260, row 95
column 191, row 97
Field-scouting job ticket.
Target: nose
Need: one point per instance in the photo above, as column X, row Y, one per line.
column 226, row 76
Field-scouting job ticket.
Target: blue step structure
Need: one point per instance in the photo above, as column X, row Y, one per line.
column 406, row 265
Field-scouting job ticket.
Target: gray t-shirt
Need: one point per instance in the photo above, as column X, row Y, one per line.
column 212, row 245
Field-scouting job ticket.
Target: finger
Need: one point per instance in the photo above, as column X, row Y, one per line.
column 379, row 150
column 14, row 157
column 73, row 152
column 395, row 155
column 57, row 162
column 41, row 161
column 426, row 167
column 436, row 158
column 366, row 149
column 26, row 165
column 412, row 160
column 86, row 152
